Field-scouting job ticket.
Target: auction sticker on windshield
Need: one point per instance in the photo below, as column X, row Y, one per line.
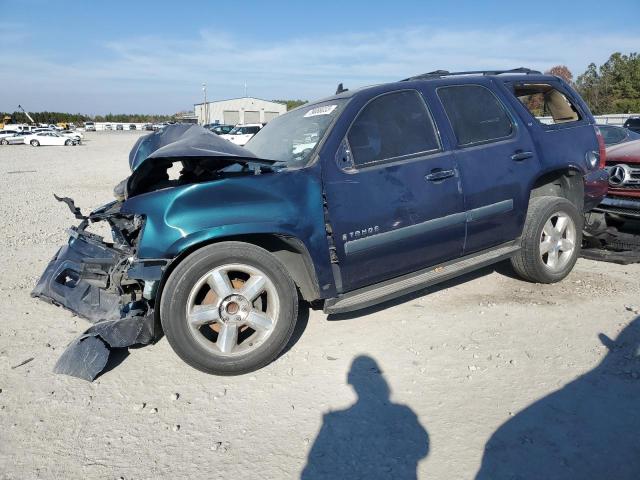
column 324, row 110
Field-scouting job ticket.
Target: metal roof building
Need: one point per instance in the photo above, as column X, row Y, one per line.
column 238, row 110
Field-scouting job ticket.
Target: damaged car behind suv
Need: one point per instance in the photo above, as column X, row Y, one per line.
column 343, row 203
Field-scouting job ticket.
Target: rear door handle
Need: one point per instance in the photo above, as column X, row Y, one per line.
column 519, row 156
column 437, row 175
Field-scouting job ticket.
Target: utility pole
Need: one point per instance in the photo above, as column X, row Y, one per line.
column 245, row 89
column 205, row 105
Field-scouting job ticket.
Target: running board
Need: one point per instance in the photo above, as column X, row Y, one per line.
column 396, row 287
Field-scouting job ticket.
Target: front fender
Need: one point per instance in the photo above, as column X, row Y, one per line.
column 286, row 203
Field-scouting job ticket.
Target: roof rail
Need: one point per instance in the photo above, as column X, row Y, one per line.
column 445, row 73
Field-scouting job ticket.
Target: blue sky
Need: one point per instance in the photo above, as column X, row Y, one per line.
column 152, row 56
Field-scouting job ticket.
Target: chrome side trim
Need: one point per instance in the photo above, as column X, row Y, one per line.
column 360, row 244
column 372, row 241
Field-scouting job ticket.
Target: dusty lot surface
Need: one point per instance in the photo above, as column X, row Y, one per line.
column 463, row 358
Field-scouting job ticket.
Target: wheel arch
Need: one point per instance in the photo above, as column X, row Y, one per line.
column 289, row 250
column 566, row 183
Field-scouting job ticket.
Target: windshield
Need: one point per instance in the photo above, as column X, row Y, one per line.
column 292, row 137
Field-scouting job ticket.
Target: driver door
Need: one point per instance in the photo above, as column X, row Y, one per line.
column 394, row 193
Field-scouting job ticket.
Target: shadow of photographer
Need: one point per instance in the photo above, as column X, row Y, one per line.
column 589, row 429
column 374, row 438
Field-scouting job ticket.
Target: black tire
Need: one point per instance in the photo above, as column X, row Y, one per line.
column 35, row 143
column 175, row 295
column 68, row 142
column 4, row 141
column 528, row 262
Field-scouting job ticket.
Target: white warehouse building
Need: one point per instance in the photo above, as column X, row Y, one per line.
column 238, row 110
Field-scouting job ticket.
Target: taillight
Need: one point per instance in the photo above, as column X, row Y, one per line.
column 602, row 148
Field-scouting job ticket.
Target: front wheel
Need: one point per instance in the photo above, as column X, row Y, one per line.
column 551, row 240
column 35, row 143
column 68, row 142
column 229, row 308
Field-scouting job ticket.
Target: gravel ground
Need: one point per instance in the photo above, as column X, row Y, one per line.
column 433, row 376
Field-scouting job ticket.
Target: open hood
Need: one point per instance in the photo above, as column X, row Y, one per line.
column 202, row 153
column 187, row 141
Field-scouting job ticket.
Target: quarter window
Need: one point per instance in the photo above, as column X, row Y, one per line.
column 391, row 126
column 475, row 114
column 543, row 100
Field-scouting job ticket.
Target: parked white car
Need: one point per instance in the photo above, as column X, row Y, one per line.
column 8, row 133
column 48, row 138
column 73, row 134
column 89, row 126
column 13, row 139
column 241, row 134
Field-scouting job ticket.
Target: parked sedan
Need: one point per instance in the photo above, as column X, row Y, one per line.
column 48, row 138
column 220, row 129
column 14, row 139
column 614, row 135
column 241, row 134
column 72, row 134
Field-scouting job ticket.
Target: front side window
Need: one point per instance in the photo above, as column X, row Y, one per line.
column 543, row 100
column 475, row 114
column 391, row 126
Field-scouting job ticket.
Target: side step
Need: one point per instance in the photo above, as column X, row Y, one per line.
column 396, row 287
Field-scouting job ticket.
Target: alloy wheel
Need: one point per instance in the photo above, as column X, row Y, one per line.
column 232, row 309
column 557, row 241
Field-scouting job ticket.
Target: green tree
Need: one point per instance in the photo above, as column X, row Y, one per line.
column 614, row 87
column 291, row 104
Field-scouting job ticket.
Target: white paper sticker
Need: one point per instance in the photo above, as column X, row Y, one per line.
column 325, row 110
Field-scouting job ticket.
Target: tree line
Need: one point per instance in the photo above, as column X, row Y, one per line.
column 79, row 118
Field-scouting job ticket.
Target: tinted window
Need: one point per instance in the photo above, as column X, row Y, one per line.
column 612, row 135
column 633, row 124
column 475, row 114
column 391, row 126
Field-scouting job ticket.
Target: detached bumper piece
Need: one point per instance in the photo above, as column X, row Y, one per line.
column 90, row 278
column 608, row 244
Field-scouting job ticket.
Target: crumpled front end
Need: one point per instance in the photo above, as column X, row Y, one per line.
column 102, row 282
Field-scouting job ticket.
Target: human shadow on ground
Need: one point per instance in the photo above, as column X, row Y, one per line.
column 589, row 429
column 373, row 439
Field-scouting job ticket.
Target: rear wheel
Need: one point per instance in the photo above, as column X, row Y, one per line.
column 229, row 308
column 4, row 141
column 551, row 240
column 34, row 143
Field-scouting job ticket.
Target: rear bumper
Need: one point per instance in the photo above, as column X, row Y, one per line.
column 596, row 185
column 624, row 207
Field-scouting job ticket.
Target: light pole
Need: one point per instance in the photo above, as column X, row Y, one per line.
column 205, row 106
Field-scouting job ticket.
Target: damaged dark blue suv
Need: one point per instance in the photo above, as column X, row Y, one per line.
column 343, row 203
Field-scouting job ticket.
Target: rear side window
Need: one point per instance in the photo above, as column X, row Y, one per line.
column 393, row 125
column 548, row 104
column 475, row 113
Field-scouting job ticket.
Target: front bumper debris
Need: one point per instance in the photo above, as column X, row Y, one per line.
column 609, row 244
column 91, row 278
